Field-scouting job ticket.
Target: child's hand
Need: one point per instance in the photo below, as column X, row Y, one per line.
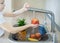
column 26, row 6
column 34, row 25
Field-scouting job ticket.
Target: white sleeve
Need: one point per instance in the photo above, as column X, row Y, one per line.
column 2, row 19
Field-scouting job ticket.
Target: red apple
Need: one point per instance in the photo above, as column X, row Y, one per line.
column 38, row 36
column 35, row 21
column 32, row 36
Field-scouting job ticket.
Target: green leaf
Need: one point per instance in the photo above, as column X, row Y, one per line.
column 21, row 22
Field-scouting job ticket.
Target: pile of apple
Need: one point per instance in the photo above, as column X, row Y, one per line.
column 37, row 36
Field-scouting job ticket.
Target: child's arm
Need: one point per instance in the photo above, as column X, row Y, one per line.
column 9, row 28
column 18, row 12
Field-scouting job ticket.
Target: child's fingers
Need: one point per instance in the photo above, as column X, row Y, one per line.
column 35, row 25
column 26, row 5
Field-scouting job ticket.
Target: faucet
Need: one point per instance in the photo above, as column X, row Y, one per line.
column 47, row 12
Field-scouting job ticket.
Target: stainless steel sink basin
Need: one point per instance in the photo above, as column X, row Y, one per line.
column 50, row 39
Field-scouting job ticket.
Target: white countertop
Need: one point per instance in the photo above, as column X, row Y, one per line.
column 4, row 38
